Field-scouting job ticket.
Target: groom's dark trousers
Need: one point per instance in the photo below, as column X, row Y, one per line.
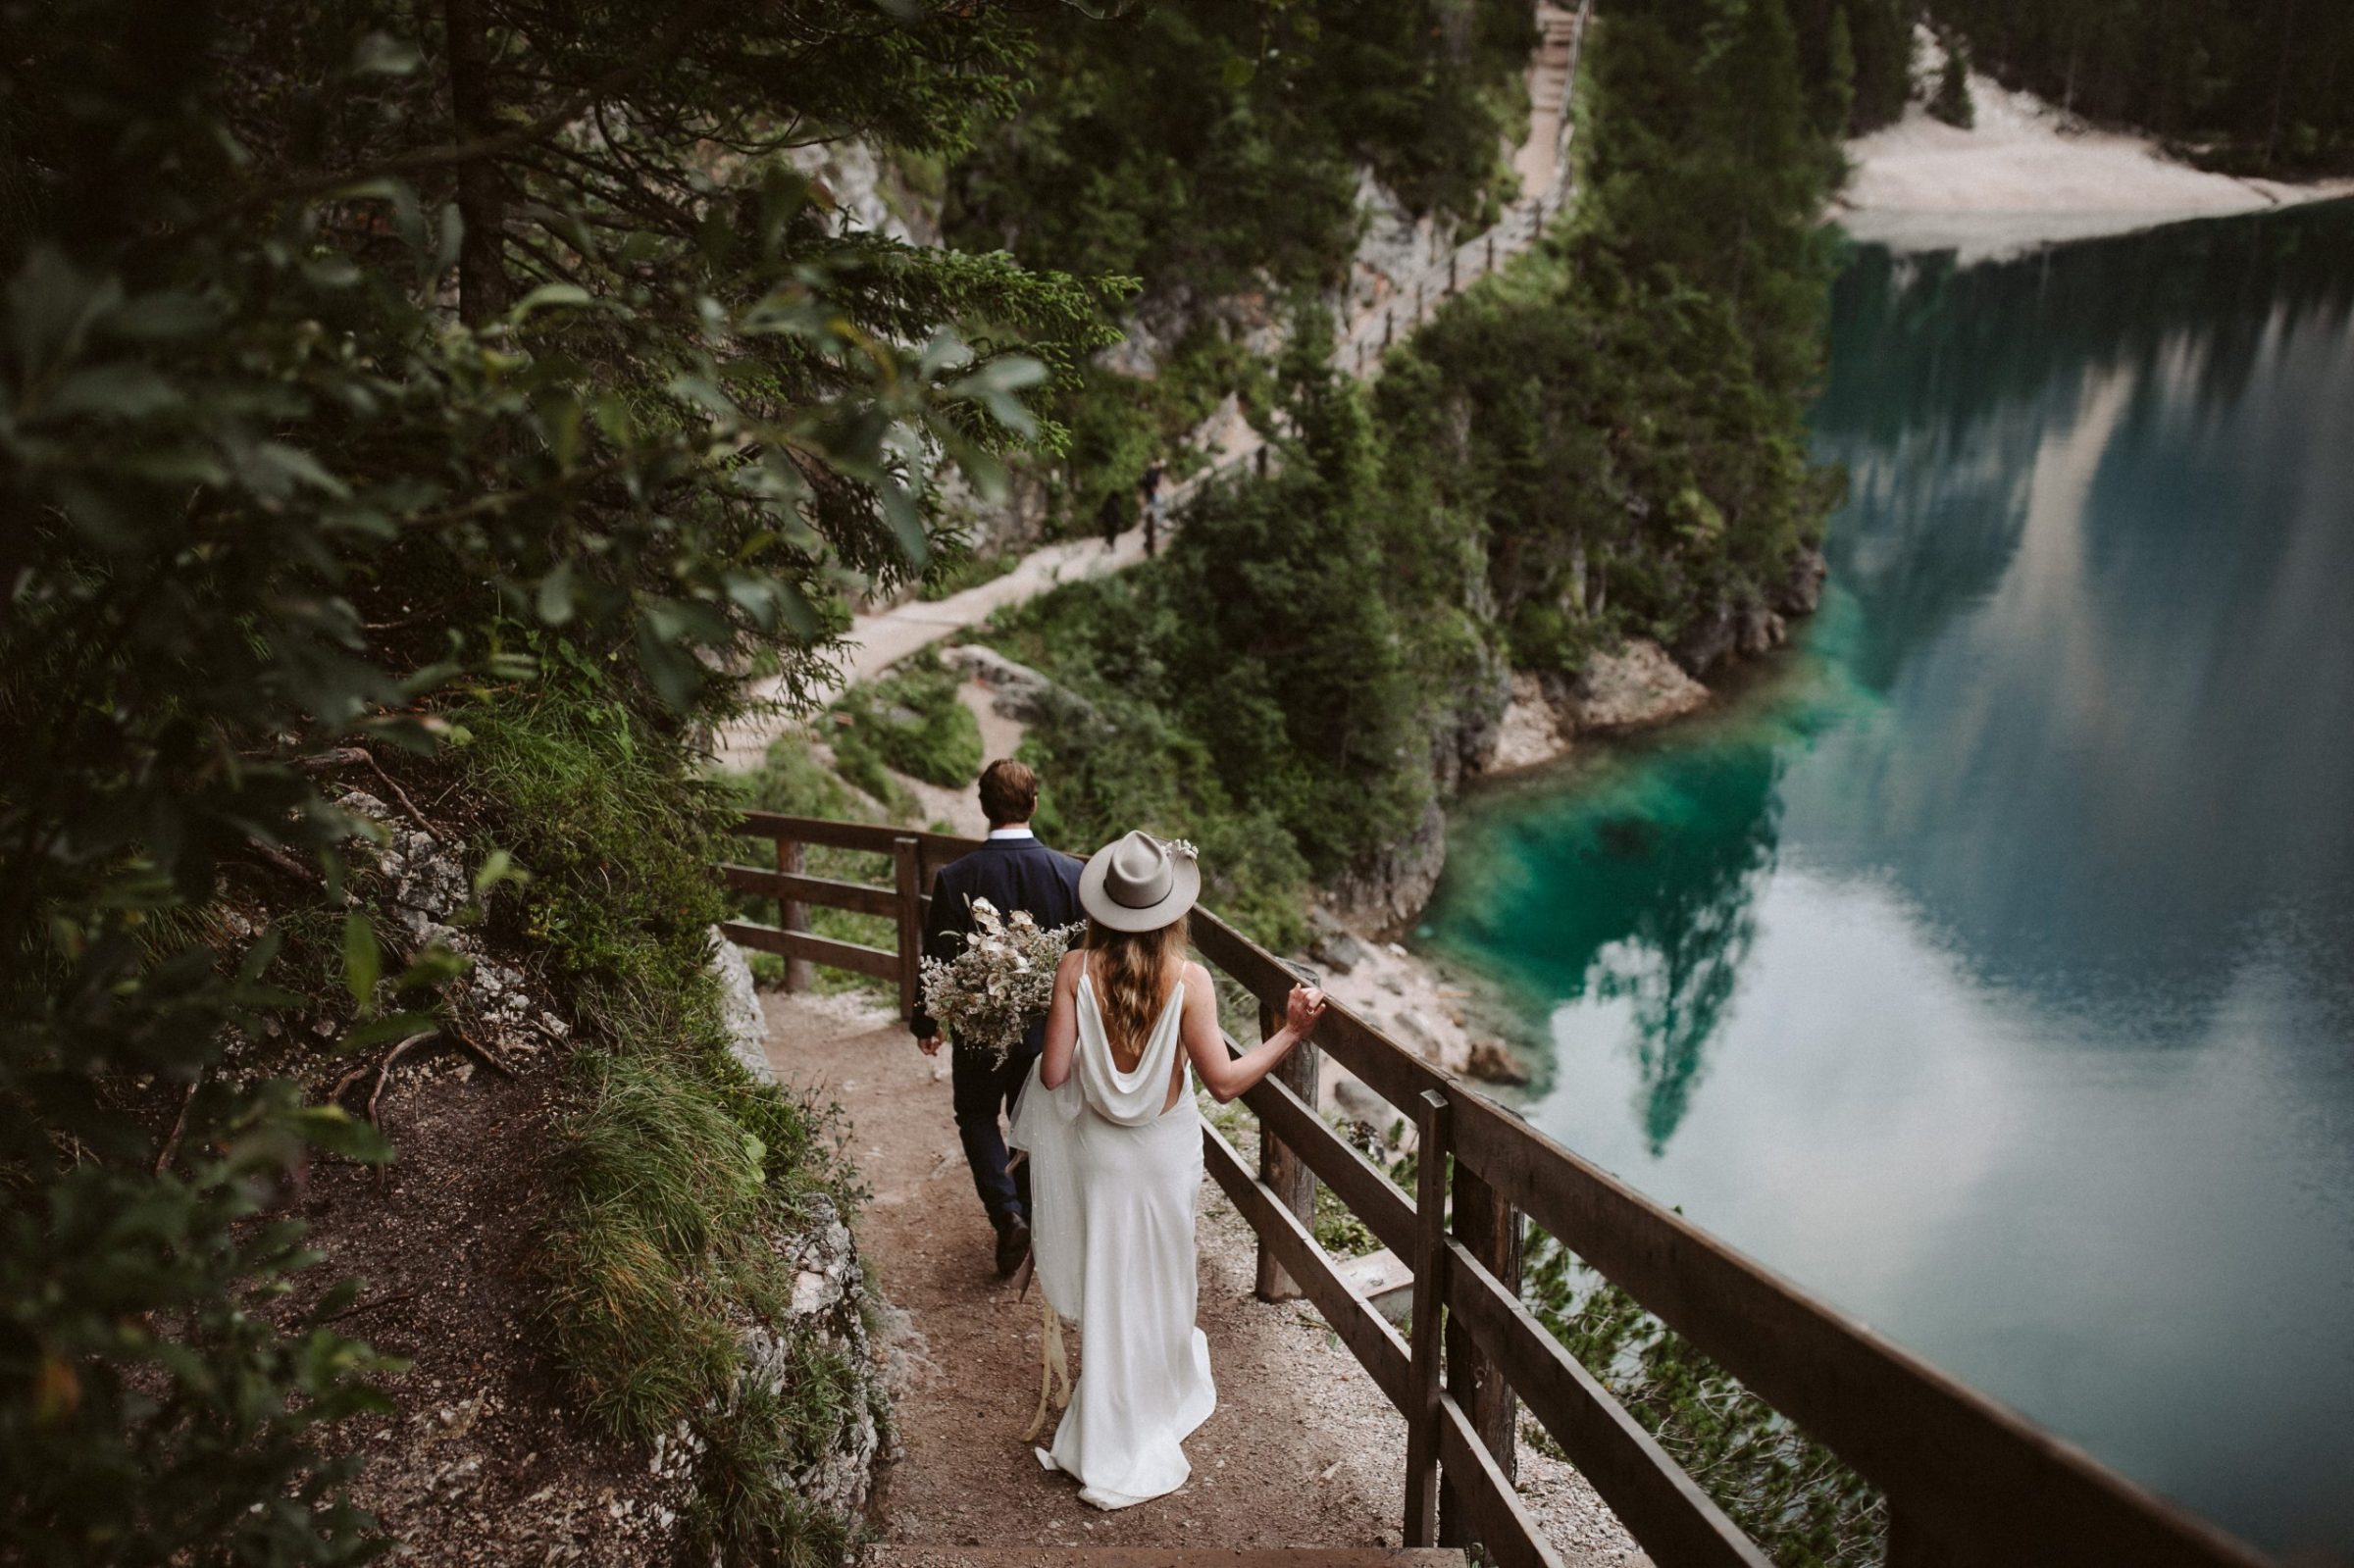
column 1011, row 873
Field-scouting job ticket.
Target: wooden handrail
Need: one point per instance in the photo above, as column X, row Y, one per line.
column 1967, row 1481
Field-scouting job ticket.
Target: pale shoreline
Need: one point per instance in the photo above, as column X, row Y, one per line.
column 2027, row 175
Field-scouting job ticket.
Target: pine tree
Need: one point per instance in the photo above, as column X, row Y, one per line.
column 1838, row 92
column 1952, row 101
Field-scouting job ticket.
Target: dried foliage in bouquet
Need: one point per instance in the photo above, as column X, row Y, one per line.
column 1002, row 980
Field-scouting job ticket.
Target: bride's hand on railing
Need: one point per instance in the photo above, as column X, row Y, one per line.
column 1304, row 1009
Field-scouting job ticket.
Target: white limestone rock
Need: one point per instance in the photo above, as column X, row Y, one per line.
column 1637, row 685
column 739, row 1009
column 1532, row 732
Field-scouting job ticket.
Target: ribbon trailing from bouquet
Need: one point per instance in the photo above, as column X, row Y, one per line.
column 1053, row 1367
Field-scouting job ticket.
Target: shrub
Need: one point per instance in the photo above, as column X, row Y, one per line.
column 910, row 721
column 1785, row 1491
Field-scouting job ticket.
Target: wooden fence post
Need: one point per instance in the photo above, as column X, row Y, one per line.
column 908, row 877
column 1285, row 1174
column 1389, row 319
column 1908, row 1545
column 1452, row 257
column 1491, row 266
column 793, row 915
column 1260, row 458
column 1490, row 1231
column 1432, row 1131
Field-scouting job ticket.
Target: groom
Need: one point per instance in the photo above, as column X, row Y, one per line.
column 1014, row 871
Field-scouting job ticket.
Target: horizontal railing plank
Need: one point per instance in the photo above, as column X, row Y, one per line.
column 871, row 838
column 1370, row 1194
column 1660, row 1505
column 857, row 896
column 1500, row 1521
column 876, row 961
column 1366, row 1332
column 1989, row 1485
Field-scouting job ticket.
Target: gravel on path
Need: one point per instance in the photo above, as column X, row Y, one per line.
column 1303, row 1449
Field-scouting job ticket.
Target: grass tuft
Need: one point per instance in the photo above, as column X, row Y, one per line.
column 910, row 721
column 675, row 1175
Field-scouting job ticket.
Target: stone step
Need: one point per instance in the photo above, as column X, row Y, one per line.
column 892, row 1555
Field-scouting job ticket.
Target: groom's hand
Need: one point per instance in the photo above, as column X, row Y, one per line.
column 928, row 1044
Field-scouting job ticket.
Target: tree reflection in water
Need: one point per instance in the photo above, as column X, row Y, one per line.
column 1667, row 857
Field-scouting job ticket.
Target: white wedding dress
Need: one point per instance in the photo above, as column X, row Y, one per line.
column 1112, row 1183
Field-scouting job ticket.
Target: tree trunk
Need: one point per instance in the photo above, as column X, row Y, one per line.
column 482, row 194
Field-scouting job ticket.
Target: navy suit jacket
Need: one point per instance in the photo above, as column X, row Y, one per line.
column 1011, row 873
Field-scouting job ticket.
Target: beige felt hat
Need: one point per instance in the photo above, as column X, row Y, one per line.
column 1140, row 883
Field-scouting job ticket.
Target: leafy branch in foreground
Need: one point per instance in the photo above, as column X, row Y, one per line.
column 569, row 362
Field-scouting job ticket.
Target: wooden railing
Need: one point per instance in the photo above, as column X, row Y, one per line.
column 1967, row 1481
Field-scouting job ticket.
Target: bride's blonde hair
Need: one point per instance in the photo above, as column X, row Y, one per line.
column 1132, row 972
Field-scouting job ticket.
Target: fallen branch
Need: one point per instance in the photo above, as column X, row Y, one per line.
column 383, row 1070
column 358, row 1307
column 489, row 1057
column 279, row 860
column 345, row 756
column 179, row 1124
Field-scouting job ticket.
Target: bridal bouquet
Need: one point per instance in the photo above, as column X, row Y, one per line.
column 1002, row 980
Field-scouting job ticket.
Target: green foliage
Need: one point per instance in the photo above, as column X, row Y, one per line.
column 1283, row 652
column 1214, row 151
column 1856, row 55
column 1604, row 439
column 747, row 1510
column 673, row 1165
column 950, row 576
column 673, row 1170
column 1293, row 649
column 1786, row 1492
column 676, row 1171
column 2253, row 86
column 1951, row 103
column 1837, row 97
column 1111, row 758
column 154, row 1410
column 912, row 721
column 1618, row 417
column 585, row 796
column 266, row 498
column 1206, row 146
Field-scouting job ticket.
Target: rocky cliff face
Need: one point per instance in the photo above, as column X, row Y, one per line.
column 1745, row 628
column 822, row 1333
column 1509, row 720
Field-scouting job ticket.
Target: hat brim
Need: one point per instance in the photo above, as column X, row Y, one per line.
column 1185, row 887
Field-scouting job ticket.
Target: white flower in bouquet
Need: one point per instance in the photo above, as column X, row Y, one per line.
column 1000, row 982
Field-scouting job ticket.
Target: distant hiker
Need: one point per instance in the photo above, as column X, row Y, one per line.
column 1150, row 485
column 1112, row 517
column 1014, row 871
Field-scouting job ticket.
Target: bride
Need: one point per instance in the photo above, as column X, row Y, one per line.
column 1115, row 1151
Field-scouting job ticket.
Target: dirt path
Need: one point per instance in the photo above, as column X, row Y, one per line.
column 1303, row 1449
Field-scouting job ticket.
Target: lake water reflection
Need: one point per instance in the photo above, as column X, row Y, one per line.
column 1990, row 966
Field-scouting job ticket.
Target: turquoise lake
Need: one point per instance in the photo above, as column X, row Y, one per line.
column 1987, row 964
